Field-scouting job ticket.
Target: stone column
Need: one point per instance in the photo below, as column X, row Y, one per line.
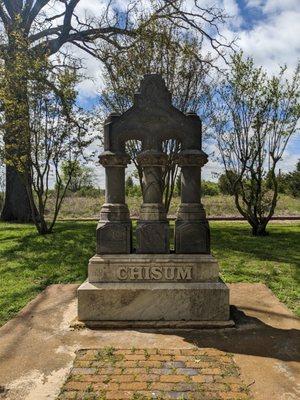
column 152, row 228
column 114, row 227
column 191, row 226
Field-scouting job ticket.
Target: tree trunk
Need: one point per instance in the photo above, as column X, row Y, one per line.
column 16, row 203
column 259, row 230
column 16, row 138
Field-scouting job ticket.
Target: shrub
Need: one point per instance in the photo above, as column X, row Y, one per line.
column 210, row 188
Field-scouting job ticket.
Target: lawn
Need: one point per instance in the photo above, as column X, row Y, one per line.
column 28, row 262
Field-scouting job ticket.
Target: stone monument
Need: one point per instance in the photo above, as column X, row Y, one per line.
column 149, row 285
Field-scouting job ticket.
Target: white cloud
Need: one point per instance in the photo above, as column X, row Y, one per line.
column 274, row 41
column 291, row 155
column 279, row 5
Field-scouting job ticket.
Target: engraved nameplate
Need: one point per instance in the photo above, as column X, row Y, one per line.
column 162, row 268
column 154, row 273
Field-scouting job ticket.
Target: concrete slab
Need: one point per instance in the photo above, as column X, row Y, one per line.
column 37, row 348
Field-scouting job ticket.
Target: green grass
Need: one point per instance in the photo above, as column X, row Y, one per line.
column 273, row 260
column 29, row 262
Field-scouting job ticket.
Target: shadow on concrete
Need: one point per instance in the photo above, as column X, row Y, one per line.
column 250, row 336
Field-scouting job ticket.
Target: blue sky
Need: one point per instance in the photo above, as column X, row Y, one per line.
column 267, row 30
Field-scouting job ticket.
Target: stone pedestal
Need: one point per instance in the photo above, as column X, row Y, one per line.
column 191, row 226
column 114, row 227
column 152, row 232
column 165, row 287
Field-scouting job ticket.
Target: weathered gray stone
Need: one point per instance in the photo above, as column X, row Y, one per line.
column 191, row 227
column 152, row 232
column 114, row 228
column 113, row 237
column 153, row 268
column 152, row 237
column 192, row 237
column 153, row 302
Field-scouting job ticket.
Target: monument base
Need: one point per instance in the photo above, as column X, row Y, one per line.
column 120, row 325
column 161, row 301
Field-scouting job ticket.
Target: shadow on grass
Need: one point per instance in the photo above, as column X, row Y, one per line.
column 282, row 245
column 58, row 257
column 30, row 262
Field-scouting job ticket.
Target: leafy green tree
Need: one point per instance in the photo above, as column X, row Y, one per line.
column 82, row 177
column 178, row 185
column 56, row 132
column 255, row 117
column 226, row 182
column 209, row 188
column 32, row 30
column 128, row 185
column 293, row 181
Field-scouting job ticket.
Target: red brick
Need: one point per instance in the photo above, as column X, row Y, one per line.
column 162, row 386
column 133, row 386
column 147, row 378
column 135, row 357
column 77, row 385
column 122, row 378
column 133, row 371
column 150, row 364
column 88, row 378
column 164, row 357
column 120, row 395
column 198, row 378
column 105, row 386
column 126, row 364
column 233, row 396
column 173, row 378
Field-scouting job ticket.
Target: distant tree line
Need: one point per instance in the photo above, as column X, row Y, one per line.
column 288, row 183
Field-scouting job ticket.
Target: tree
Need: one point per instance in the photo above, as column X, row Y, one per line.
column 165, row 49
column 128, row 185
column 209, row 188
column 35, row 28
column 255, row 117
column 293, row 181
column 226, row 182
column 57, row 132
column 82, row 177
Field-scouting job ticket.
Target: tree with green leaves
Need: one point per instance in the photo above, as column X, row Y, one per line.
column 56, row 132
column 225, row 183
column 35, row 29
column 293, row 181
column 255, row 116
column 82, row 176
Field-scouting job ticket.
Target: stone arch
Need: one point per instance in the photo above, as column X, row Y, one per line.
column 152, row 120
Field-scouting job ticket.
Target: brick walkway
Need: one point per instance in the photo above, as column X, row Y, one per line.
column 142, row 374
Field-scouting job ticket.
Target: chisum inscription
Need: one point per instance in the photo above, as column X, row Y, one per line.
column 154, row 273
